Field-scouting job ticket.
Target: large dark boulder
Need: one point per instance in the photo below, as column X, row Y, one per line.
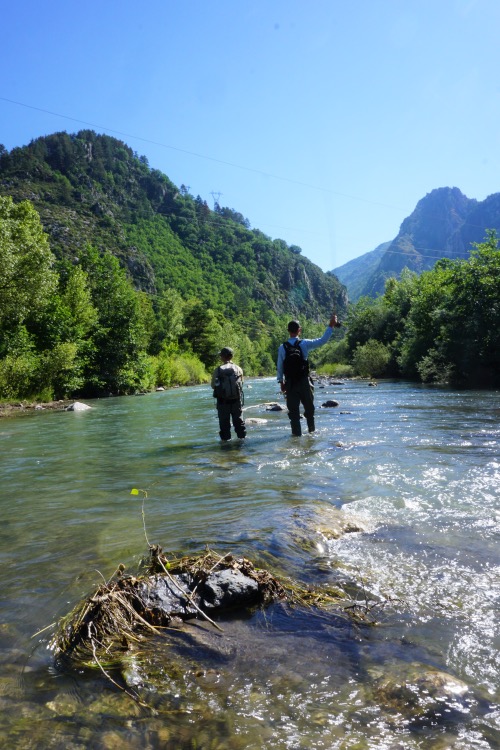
column 161, row 598
column 229, row 588
column 164, row 598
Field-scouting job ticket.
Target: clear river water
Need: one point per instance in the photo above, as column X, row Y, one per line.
column 415, row 470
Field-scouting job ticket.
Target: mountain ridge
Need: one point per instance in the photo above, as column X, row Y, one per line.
column 93, row 189
column 444, row 224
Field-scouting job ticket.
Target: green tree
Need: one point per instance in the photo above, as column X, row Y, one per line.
column 472, row 323
column 425, row 324
column 77, row 299
column 366, row 320
column 27, row 276
column 452, row 330
column 168, row 326
column 18, row 366
column 117, row 363
column 202, row 333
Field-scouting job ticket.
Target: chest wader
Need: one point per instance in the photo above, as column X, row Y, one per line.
column 299, row 392
column 230, row 411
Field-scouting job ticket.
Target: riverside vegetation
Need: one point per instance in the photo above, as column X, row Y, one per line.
column 440, row 327
column 116, row 281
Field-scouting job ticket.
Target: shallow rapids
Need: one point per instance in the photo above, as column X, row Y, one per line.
column 415, row 469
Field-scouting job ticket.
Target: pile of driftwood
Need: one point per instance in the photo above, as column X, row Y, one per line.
column 122, row 610
column 172, row 590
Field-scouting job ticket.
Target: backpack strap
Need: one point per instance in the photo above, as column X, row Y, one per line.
column 296, row 345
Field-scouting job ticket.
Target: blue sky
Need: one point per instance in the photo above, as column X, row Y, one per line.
column 323, row 122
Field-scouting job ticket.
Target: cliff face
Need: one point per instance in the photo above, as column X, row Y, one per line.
column 444, row 223
column 356, row 272
column 483, row 215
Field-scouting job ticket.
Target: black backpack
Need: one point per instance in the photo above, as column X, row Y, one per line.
column 228, row 384
column 295, row 366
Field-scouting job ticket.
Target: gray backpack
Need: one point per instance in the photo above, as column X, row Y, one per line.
column 228, row 385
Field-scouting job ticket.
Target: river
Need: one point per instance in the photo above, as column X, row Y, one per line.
column 416, row 469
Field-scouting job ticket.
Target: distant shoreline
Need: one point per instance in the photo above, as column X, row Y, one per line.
column 28, row 407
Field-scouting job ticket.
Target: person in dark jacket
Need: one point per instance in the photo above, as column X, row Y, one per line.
column 227, row 384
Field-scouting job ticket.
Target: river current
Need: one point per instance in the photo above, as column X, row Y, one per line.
column 416, row 470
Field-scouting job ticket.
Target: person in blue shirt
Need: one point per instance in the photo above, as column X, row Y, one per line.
column 297, row 386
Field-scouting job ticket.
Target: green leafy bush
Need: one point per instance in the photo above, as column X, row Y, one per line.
column 433, row 368
column 59, row 372
column 17, row 375
column 370, row 360
column 188, row 370
column 336, row 370
column 172, row 367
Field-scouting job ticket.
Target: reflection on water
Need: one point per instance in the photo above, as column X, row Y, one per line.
column 416, row 469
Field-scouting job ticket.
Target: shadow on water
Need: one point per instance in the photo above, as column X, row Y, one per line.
column 251, row 444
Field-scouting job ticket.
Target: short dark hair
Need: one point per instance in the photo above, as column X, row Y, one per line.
column 226, row 352
column 293, row 326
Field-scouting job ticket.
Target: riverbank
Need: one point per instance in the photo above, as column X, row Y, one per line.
column 11, row 409
column 28, row 407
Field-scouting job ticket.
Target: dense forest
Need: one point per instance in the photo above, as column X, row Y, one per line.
column 113, row 280
column 442, row 326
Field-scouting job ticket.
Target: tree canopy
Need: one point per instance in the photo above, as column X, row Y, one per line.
column 26, row 262
column 114, row 280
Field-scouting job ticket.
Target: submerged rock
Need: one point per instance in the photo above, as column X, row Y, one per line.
column 315, row 527
column 419, row 692
column 275, row 407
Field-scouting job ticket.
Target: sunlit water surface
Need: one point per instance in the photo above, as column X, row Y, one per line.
column 417, row 468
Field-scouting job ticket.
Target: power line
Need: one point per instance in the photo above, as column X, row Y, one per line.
column 455, row 256
column 217, row 220
column 202, row 156
column 226, row 163
column 212, row 158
